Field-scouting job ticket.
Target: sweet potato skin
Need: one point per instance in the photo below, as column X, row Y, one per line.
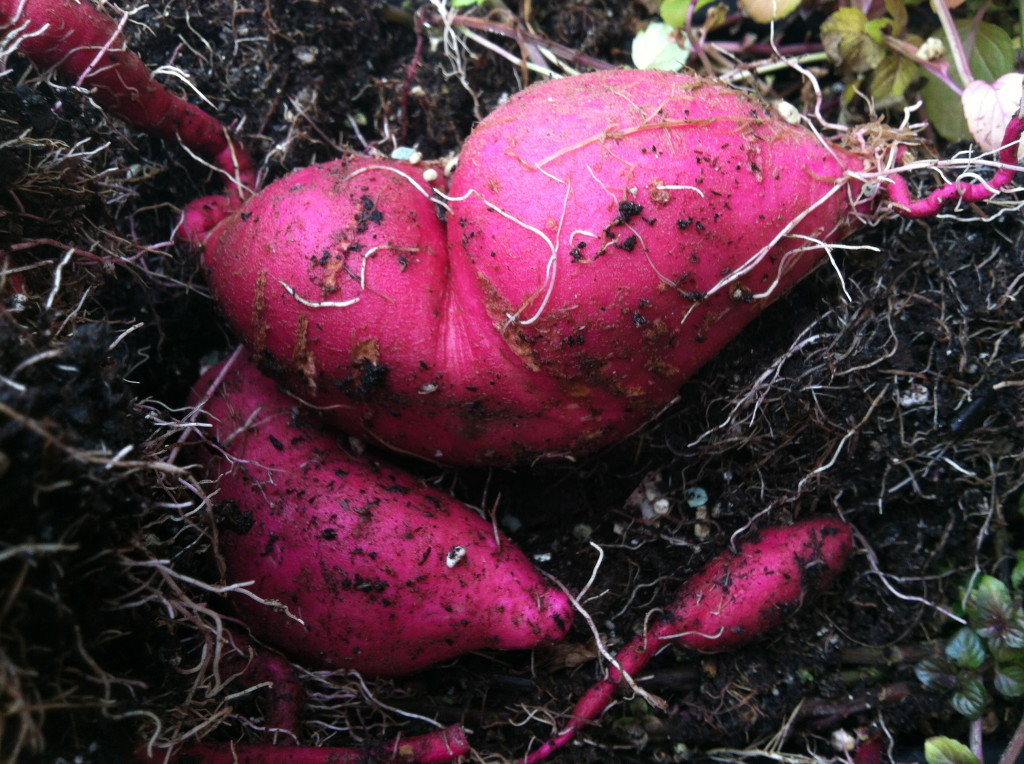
column 556, row 296
column 367, row 557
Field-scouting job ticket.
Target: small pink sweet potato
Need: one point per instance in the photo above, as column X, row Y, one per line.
column 378, row 572
column 735, row 598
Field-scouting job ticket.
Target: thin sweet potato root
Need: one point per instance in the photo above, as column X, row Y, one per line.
column 736, row 598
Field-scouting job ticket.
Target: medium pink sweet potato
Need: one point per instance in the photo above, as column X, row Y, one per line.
column 378, row 572
column 734, row 599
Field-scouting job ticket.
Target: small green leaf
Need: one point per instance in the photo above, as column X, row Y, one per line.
column 673, row 12
column 656, row 48
column 847, row 42
column 936, row 674
column 944, row 750
column 897, row 11
column 970, row 700
column 1017, row 574
column 988, row 600
column 990, row 49
column 1006, row 633
column 966, row 649
column 893, row 76
column 990, row 607
column 1009, row 681
column 875, row 28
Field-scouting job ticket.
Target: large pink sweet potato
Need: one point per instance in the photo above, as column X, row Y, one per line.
column 379, row 572
column 586, row 263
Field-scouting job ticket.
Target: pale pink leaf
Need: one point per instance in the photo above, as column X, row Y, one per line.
column 988, row 108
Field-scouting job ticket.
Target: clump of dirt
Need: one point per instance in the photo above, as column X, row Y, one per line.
column 887, row 391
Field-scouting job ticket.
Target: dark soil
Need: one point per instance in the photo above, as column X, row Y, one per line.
column 899, row 407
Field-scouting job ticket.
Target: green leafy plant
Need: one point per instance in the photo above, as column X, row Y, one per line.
column 986, row 656
column 988, row 652
column 970, row 88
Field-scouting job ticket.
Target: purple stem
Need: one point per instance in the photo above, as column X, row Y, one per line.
column 1015, row 746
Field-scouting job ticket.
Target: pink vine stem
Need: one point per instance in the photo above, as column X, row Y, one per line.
column 899, row 190
column 86, row 46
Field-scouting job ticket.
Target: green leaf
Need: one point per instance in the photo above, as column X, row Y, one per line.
column 893, row 76
column 992, row 611
column 875, row 28
column 989, row 594
column 944, row 750
column 988, row 603
column 990, row 49
column 673, row 12
column 848, row 43
column 897, row 11
column 655, row 48
column 970, row 700
column 1009, row 681
column 1005, row 657
column 966, row 649
column 944, row 110
column 936, row 674
column 1008, row 632
column 1017, row 574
